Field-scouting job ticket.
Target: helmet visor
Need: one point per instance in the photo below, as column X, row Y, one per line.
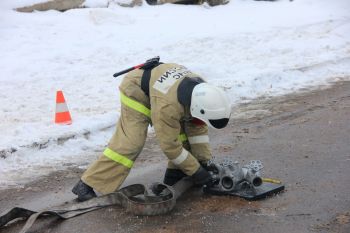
column 220, row 123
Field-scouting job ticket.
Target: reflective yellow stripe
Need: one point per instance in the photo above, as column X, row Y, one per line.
column 144, row 110
column 118, row 158
column 135, row 105
column 182, row 137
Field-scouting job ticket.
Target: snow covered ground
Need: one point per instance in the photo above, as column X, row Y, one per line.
column 251, row 48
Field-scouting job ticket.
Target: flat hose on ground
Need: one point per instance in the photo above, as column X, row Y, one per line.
column 134, row 198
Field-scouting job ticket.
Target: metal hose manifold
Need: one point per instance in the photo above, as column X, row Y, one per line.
column 231, row 176
column 242, row 181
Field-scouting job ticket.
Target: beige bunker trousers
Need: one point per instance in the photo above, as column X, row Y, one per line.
column 110, row 170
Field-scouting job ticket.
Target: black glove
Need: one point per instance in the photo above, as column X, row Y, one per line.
column 210, row 167
column 203, row 177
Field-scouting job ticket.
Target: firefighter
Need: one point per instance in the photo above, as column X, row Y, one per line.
column 180, row 105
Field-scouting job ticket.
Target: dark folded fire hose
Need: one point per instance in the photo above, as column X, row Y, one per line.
column 134, row 198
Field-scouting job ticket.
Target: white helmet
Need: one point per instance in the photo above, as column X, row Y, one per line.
column 211, row 105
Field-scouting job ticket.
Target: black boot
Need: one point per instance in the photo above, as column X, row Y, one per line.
column 172, row 176
column 84, row 191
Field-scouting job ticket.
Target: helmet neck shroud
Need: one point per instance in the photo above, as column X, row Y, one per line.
column 185, row 89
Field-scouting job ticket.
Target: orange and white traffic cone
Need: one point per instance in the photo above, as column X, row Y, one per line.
column 62, row 113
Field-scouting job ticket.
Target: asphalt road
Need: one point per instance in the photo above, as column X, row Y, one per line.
column 302, row 139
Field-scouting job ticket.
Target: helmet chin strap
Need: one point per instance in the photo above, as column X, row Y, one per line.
column 197, row 121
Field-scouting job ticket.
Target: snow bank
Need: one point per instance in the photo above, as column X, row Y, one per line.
column 250, row 48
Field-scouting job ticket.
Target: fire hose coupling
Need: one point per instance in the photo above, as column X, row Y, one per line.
column 252, row 172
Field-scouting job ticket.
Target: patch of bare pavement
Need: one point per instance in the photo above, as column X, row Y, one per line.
column 302, row 139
